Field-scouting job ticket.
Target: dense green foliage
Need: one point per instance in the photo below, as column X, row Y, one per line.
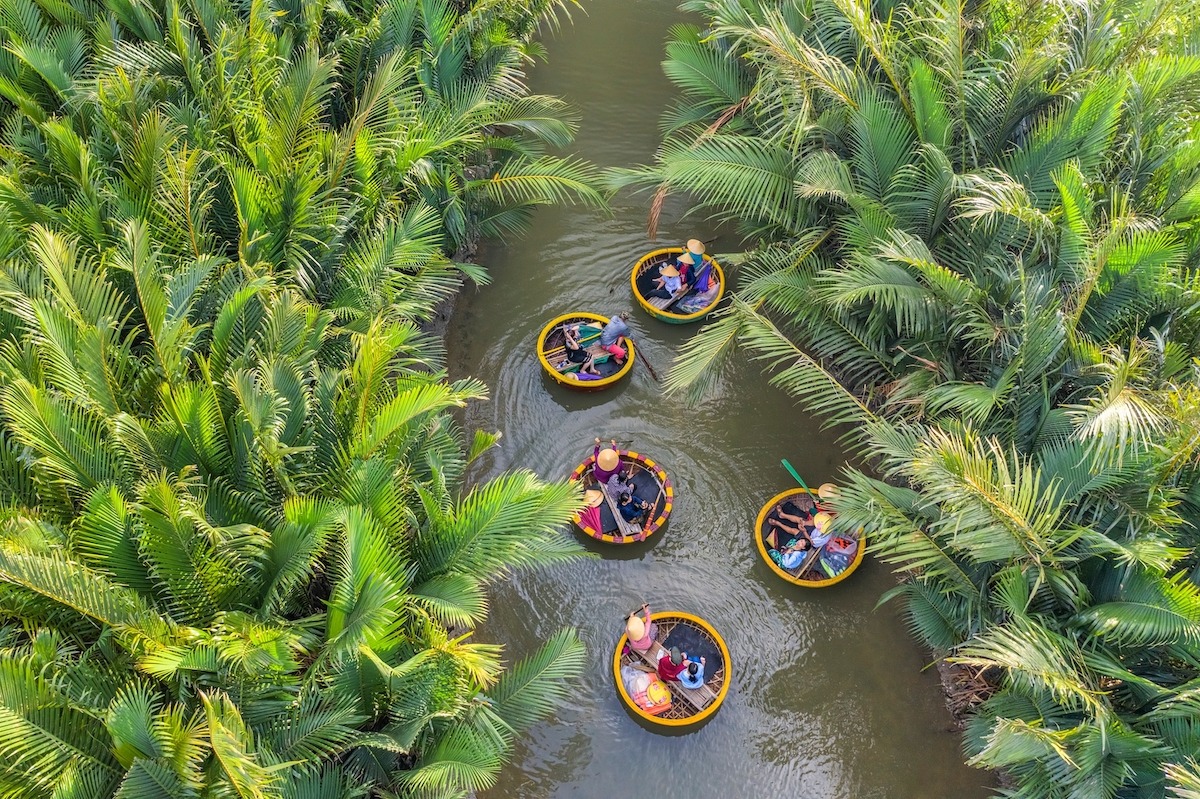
column 977, row 230
column 237, row 558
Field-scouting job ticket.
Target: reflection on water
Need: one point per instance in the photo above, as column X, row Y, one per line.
column 829, row 698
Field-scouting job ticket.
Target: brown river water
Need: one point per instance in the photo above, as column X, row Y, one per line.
column 830, row 696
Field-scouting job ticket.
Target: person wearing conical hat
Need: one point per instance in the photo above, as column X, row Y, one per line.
column 589, row 518
column 825, row 493
column 607, row 462
column 822, row 529
column 667, row 283
column 690, row 260
column 641, row 630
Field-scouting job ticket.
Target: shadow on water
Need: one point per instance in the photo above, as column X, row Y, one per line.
column 635, row 550
column 829, row 698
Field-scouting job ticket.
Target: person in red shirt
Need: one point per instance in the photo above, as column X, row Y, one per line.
column 671, row 664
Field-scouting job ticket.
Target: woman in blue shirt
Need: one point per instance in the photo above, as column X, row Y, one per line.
column 693, row 675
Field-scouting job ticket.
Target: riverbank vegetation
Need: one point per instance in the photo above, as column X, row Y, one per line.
column 975, row 245
column 238, row 557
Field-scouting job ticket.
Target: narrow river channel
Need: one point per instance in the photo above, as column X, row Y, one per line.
column 829, row 698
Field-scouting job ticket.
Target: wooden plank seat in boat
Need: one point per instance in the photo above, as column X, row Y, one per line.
column 698, row 698
column 626, row 528
column 663, row 303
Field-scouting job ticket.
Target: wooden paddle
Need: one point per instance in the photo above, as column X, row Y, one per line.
column 646, row 361
column 799, row 479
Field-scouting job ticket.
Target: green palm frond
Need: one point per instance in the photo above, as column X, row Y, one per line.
column 455, row 600
column 45, row 738
column 1150, row 611
column 531, row 689
column 234, row 750
column 510, row 522
column 462, row 759
column 540, row 182
column 1033, row 658
column 86, row 592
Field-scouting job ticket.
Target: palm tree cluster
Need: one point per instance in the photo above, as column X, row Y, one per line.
column 977, row 248
column 237, row 557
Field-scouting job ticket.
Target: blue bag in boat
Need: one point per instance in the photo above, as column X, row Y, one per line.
column 836, row 555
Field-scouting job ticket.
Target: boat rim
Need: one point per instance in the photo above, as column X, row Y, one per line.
column 650, row 309
column 775, row 567
column 589, row 385
column 690, row 720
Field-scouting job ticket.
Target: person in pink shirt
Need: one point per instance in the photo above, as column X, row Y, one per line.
column 641, row 631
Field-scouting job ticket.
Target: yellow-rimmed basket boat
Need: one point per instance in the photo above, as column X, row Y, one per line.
column 811, row 572
column 552, row 352
column 689, row 706
column 677, row 310
column 650, row 483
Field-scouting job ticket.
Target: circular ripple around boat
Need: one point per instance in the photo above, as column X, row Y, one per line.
column 684, row 712
column 546, row 346
column 760, row 534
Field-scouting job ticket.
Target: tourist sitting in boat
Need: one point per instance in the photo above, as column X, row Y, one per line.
column 691, row 261
column 822, row 529
column 608, row 462
column 577, row 353
column 672, row 663
column 633, row 509
column 641, row 631
column 687, row 273
column 666, row 284
column 610, row 336
column 825, row 493
column 622, row 482
column 693, row 675
column 800, row 526
column 791, row 554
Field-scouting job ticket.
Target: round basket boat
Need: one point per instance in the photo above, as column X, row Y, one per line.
column 685, row 707
column 687, row 305
column 650, row 482
column 552, row 352
column 813, row 571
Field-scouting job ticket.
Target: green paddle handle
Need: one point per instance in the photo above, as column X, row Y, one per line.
column 793, row 472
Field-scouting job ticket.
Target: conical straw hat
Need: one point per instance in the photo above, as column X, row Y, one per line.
column 695, row 246
column 669, row 271
column 822, row 520
column 608, row 459
column 635, row 628
column 827, row 491
column 592, row 497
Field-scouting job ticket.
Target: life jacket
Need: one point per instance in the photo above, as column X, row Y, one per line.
column 649, row 693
